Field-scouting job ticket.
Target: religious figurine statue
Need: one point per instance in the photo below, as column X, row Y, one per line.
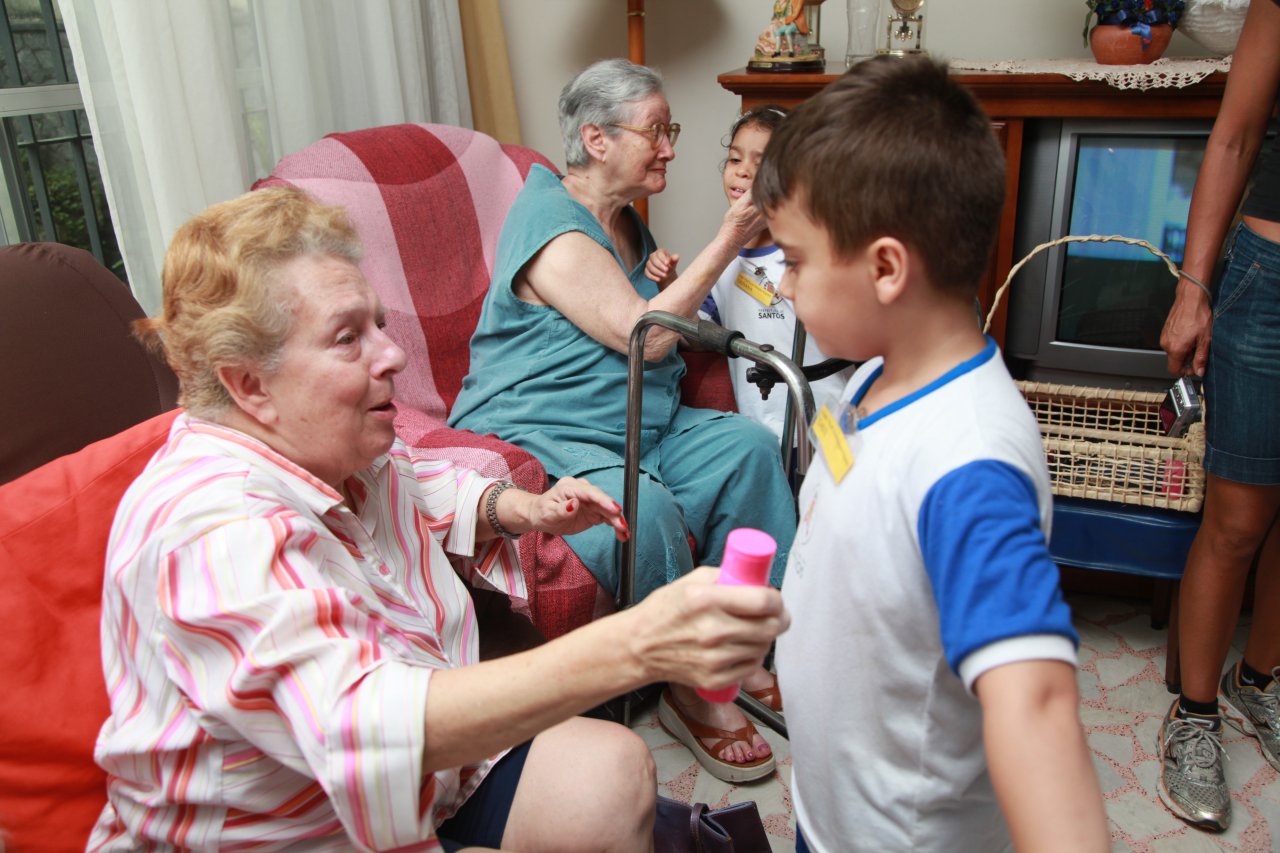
column 785, row 45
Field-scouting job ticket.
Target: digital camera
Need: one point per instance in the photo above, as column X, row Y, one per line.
column 1181, row 408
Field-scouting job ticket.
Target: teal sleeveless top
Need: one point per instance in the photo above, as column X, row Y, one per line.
column 537, row 380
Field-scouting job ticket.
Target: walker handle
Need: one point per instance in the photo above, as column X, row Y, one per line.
column 714, row 337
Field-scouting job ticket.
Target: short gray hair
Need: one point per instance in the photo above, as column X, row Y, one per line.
column 602, row 94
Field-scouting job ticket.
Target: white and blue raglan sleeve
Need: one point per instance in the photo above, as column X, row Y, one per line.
column 994, row 582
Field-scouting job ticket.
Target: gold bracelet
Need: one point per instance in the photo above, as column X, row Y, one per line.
column 491, row 509
column 1198, row 283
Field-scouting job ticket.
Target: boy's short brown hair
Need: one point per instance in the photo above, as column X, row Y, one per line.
column 894, row 148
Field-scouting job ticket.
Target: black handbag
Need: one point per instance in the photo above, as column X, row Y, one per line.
column 683, row 828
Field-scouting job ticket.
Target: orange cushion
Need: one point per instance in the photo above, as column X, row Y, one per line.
column 54, row 524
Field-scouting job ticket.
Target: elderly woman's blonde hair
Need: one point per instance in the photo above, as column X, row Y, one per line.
column 223, row 304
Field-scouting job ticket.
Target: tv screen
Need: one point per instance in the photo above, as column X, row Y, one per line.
column 1117, row 294
column 1090, row 313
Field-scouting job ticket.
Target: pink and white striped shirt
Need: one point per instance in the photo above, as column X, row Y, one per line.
column 268, row 651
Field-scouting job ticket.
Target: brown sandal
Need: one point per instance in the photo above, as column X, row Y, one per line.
column 690, row 732
column 770, row 696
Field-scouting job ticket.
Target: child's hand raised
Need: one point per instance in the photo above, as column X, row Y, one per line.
column 661, row 267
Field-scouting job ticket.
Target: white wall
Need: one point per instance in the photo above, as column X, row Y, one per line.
column 692, row 41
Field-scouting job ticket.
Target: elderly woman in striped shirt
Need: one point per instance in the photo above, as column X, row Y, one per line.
column 290, row 651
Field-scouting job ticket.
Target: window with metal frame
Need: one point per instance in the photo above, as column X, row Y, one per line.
column 52, row 188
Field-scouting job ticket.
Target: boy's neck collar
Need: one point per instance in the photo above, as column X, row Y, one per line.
column 911, row 367
column 753, row 252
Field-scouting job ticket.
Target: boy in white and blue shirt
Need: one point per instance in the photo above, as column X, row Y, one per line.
column 929, row 672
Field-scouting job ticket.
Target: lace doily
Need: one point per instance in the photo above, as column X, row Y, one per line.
column 1174, row 73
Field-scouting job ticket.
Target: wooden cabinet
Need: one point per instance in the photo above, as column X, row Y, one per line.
column 1010, row 100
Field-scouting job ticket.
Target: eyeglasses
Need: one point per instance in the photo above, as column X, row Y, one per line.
column 655, row 132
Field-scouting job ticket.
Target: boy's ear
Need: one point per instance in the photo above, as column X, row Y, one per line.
column 248, row 392
column 890, row 266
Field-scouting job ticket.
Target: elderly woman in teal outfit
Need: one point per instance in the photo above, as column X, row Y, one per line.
column 549, row 371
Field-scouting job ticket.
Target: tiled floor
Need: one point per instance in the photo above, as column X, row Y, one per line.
column 1122, row 700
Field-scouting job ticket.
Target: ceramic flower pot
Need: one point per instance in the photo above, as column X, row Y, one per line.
column 1116, row 44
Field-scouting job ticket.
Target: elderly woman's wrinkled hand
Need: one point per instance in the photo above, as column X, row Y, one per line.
column 573, row 505
column 743, row 219
column 696, row 632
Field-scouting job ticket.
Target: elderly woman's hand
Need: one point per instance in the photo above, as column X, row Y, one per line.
column 570, row 506
column 696, row 632
column 743, row 221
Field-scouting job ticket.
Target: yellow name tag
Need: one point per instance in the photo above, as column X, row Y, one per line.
column 753, row 288
column 831, row 441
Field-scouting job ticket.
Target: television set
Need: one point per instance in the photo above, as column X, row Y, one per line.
column 1091, row 313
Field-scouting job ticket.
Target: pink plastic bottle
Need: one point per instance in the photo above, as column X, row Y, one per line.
column 748, row 556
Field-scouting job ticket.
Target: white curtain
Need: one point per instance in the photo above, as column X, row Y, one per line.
column 191, row 101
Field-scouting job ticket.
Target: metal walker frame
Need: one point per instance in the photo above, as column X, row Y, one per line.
column 732, row 344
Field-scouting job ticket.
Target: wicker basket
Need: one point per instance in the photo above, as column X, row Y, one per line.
column 1109, row 444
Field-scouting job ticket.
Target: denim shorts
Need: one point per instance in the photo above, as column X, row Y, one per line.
column 1242, row 380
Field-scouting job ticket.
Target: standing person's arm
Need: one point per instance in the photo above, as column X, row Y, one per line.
column 1039, row 762
column 1228, row 160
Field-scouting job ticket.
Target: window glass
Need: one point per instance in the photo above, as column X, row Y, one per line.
column 52, row 188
